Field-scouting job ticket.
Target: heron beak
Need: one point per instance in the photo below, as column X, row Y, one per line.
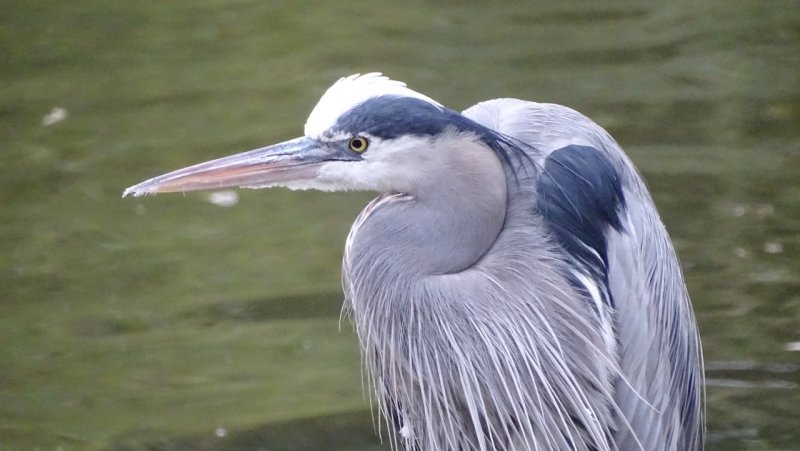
column 292, row 161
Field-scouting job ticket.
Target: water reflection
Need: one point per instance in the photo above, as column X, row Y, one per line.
column 343, row 431
column 752, row 375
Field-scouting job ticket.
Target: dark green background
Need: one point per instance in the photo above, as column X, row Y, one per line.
column 167, row 322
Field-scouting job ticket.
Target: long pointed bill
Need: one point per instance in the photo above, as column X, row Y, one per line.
column 297, row 160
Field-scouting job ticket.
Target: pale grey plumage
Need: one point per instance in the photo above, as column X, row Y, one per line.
column 653, row 319
column 389, row 297
column 513, row 288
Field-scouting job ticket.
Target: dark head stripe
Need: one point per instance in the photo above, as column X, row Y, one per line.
column 390, row 116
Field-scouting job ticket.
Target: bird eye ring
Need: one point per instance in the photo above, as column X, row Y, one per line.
column 358, row 144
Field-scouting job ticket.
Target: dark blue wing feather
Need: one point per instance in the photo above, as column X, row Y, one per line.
column 580, row 198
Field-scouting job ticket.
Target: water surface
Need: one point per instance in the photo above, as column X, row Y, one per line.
column 176, row 323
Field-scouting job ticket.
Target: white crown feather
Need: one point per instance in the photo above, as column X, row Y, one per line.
column 349, row 92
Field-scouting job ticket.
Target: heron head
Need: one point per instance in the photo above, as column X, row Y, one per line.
column 367, row 132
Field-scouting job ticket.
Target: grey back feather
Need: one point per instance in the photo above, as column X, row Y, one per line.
column 660, row 389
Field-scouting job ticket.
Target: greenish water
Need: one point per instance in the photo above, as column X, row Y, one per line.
column 172, row 323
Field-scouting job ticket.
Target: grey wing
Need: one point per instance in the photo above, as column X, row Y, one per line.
column 598, row 209
column 660, row 354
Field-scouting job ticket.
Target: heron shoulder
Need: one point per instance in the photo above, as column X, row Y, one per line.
column 597, row 208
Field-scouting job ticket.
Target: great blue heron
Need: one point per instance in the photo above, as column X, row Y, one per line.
column 512, row 287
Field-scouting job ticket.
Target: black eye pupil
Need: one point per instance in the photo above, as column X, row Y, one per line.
column 358, row 144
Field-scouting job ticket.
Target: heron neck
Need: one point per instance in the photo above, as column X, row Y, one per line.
column 443, row 226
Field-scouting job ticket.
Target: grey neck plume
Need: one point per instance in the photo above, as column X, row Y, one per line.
column 437, row 219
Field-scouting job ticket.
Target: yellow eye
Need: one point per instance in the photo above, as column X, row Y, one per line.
column 358, row 144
